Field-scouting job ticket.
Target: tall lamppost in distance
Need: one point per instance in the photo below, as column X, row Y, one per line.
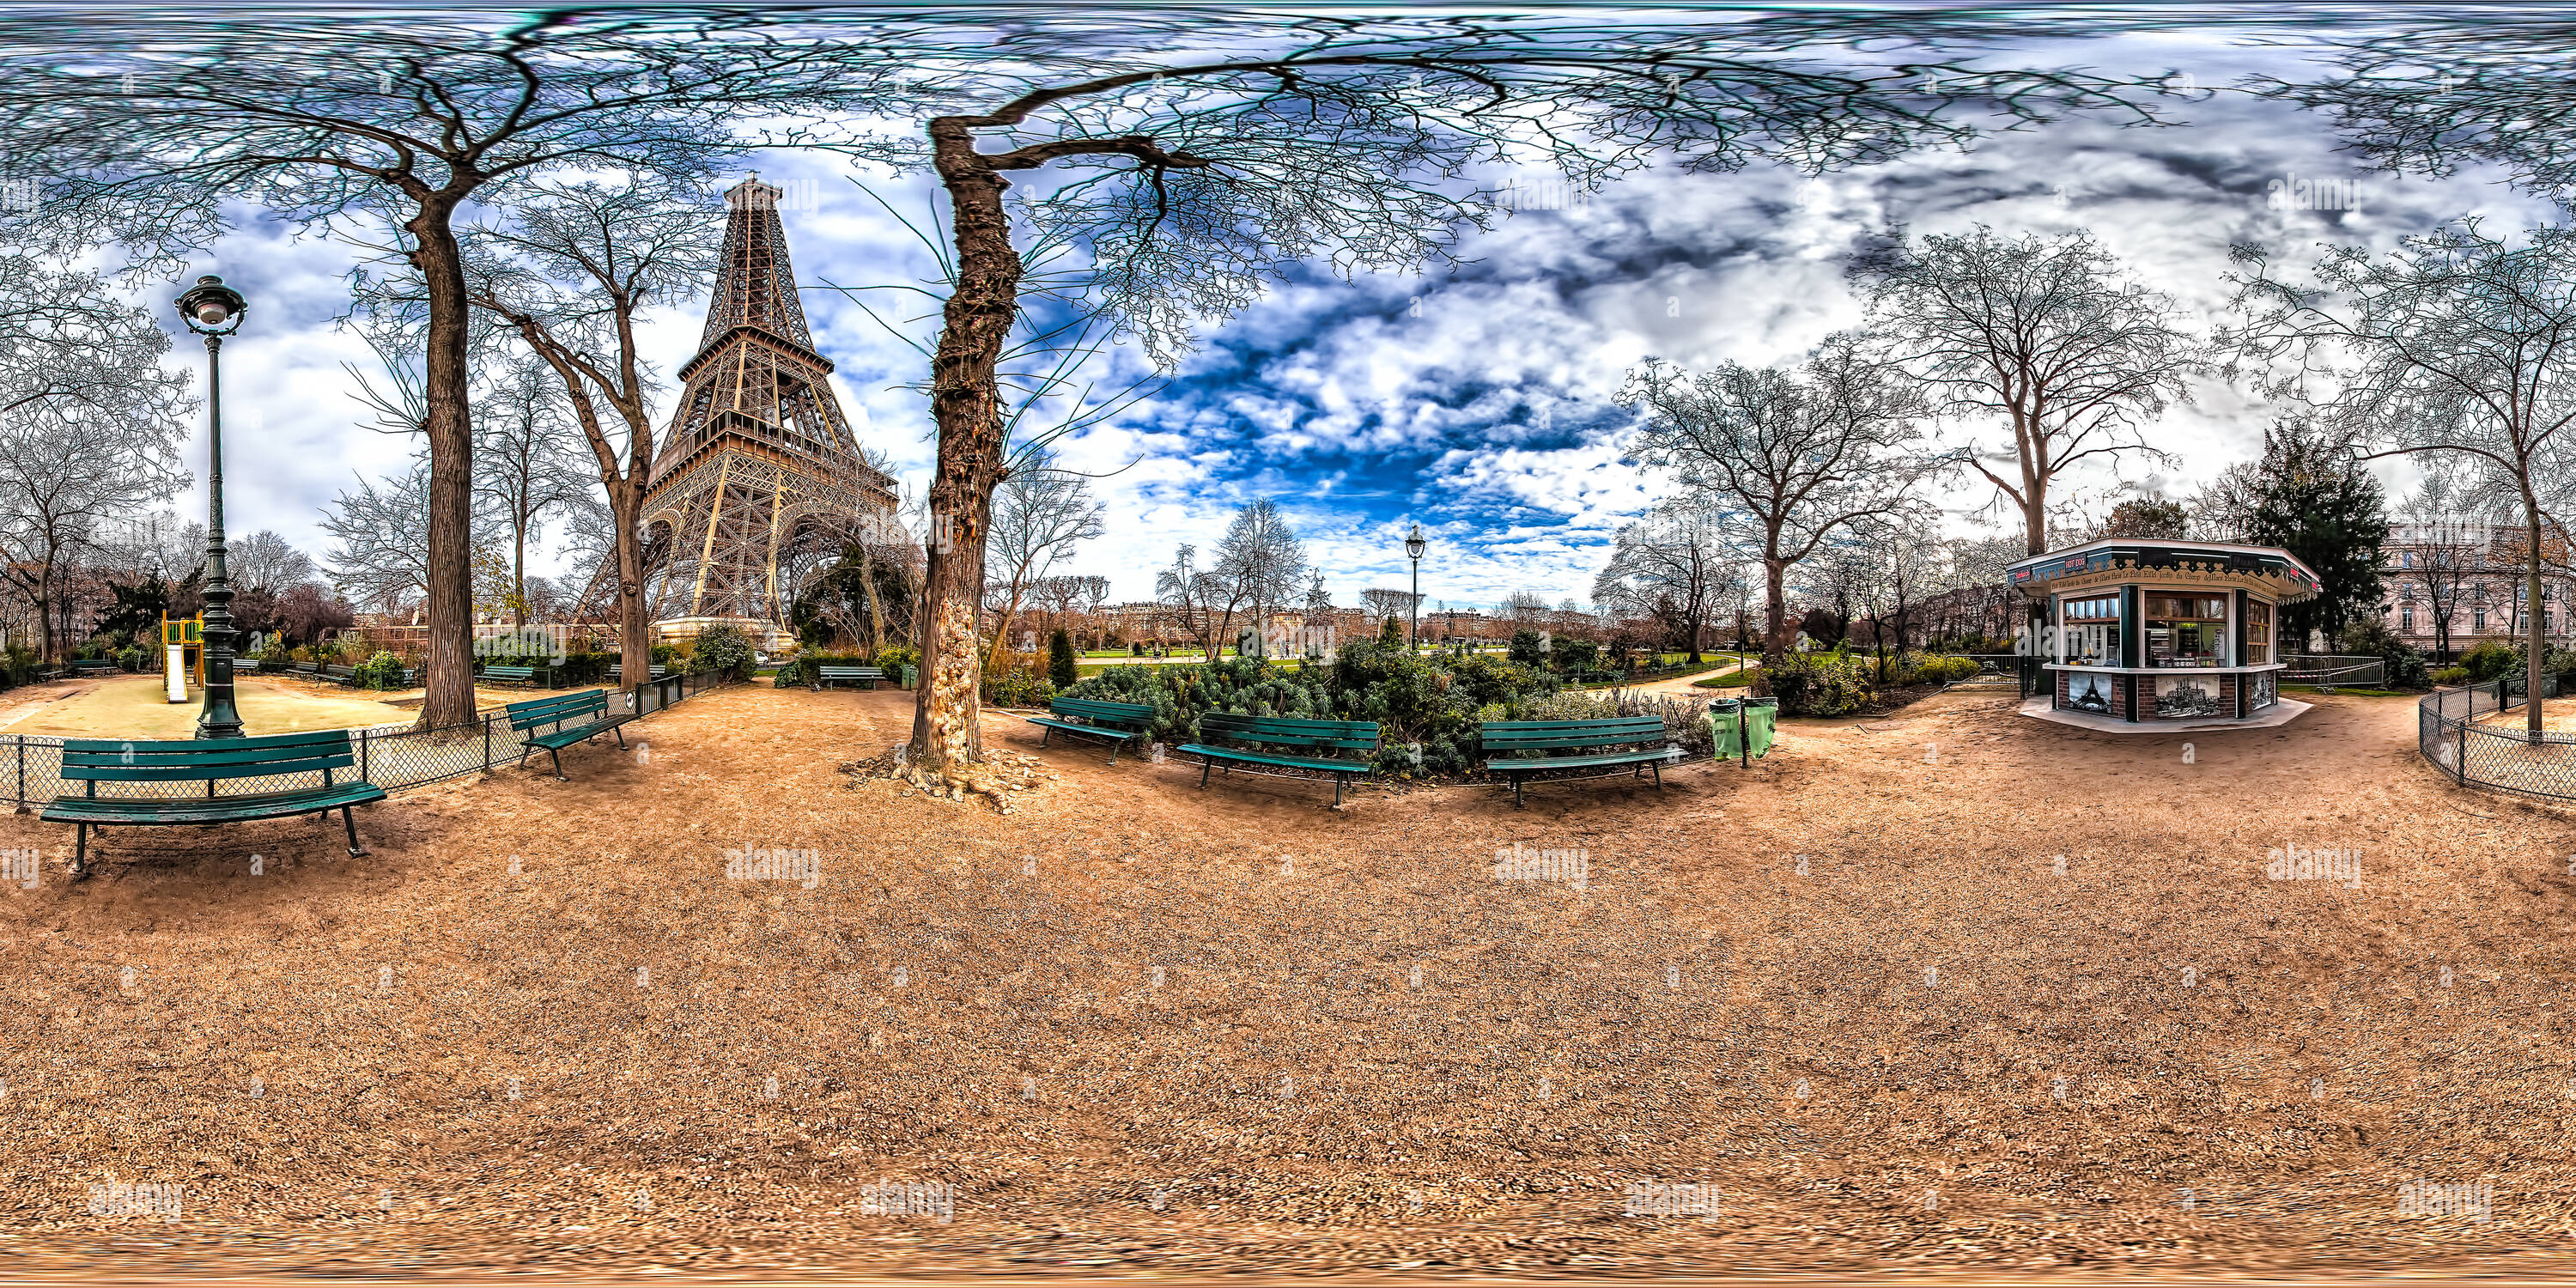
column 1414, row 542
column 214, row 310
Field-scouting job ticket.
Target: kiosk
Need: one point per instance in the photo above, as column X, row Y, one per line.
column 2153, row 634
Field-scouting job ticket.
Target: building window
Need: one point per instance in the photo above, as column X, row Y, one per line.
column 2478, row 620
column 2185, row 630
column 2258, row 632
column 2089, row 630
column 2406, row 559
column 2406, row 617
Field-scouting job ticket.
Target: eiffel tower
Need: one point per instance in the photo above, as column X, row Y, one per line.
column 758, row 466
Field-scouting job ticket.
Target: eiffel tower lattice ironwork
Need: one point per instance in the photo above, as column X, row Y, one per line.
column 758, row 466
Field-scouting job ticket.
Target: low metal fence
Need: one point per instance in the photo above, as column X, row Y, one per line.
column 2500, row 756
column 393, row 757
column 2327, row 670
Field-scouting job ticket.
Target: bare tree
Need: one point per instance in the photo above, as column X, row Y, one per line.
column 1898, row 560
column 569, row 266
column 1095, row 593
column 264, row 561
column 90, row 425
column 2043, row 332
column 1194, row 599
column 2447, row 544
column 525, row 468
column 1039, row 514
column 2457, row 345
column 1383, row 602
column 382, row 556
column 1672, row 566
column 1261, row 554
column 1792, row 460
column 150, row 133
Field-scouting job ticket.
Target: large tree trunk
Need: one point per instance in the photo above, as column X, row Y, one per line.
column 876, row 607
column 450, row 696
column 1775, row 612
column 966, row 402
column 48, row 650
column 2535, row 646
column 634, row 639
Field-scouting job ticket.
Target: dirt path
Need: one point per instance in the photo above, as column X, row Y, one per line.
column 1141, row 1026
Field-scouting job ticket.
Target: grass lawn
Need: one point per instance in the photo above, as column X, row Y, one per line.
column 1737, row 678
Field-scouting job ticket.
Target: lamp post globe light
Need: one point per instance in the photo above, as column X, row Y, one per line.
column 1414, row 543
column 214, row 310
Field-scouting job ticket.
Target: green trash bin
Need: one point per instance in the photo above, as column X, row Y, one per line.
column 1725, row 726
column 912, row 677
column 1761, row 724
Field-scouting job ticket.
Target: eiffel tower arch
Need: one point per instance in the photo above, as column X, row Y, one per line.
column 759, row 469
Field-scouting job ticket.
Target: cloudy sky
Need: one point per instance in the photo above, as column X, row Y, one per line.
column 1477, row 401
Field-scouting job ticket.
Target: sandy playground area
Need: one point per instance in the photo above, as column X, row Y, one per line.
column 135, row 706
column 1136, row 1028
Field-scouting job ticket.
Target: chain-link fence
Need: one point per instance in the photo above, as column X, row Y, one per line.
column 2452, row 732
column 392, row 757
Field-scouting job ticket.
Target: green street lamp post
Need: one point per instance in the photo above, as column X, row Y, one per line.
column 214, row 310
column 1414, row 543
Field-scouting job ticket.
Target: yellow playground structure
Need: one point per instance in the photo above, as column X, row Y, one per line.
column 183, row 643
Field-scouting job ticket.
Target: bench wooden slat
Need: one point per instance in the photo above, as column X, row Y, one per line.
column 179, row 811
column 1095, row 708
column 262, row 742
column 1265, row 758
column 214, row 753
column 170, row 773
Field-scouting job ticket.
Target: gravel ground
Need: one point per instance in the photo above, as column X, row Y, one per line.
column 1133, row 1027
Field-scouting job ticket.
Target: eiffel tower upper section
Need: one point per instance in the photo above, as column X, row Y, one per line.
column 757, row 385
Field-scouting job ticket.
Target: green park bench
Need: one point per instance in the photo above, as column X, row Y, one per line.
column 589, row 707
column 92, row 761
column 526, row 675
column 308, row 668
column 617, row 673
column 1116, row 721
column 1263, row 732
column 1516, row 749
column 341, row 674
column 849, row 675
column 245, row 664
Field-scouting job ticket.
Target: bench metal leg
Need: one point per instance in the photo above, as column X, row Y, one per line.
column 349, row 817
column 1517, row 781
column 1658, row 767
column 557, row 753
column 80, row 854
column 1042, row 739
column 1337, row 789
column 620, row 731
column 1204, row 767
